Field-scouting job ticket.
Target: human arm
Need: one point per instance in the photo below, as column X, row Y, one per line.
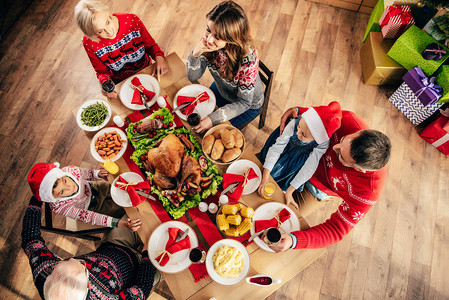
column 144, row 280
column 195, row 67
column 292, row 112
column 102, row 71
column 41, row 259
column 133, row 225
column 82, row 174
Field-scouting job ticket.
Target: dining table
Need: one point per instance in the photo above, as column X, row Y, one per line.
column 182, row 285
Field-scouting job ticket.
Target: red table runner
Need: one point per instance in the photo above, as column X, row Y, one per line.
column 202, row 223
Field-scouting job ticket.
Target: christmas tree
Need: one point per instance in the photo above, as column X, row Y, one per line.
column 438, row 4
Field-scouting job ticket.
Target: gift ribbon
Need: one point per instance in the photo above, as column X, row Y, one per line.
column 396, row 11
column 441, row 140
column 440, row 52
column 429, row 85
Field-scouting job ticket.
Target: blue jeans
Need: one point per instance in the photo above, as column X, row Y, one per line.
column 239, row 120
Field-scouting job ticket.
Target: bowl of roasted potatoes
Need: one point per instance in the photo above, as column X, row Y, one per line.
column 223, row 144
column 234, row 219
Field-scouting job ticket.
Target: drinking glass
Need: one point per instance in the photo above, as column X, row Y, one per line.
column 268, row 190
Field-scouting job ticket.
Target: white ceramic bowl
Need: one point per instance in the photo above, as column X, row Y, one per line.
column 84, row 106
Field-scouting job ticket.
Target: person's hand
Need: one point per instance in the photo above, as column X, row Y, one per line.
column 201, row 47
column 204, row 125
column 111, row 95
column 284, row 244
column 265, row 177
column 289, row 197
column 133, row 225
column 289, row 113
column 161, row 67
column 103, row 174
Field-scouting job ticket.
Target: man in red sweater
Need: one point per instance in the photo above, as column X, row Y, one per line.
column 353, row 169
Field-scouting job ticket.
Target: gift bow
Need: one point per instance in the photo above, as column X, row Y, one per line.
column 437, row 51
column 276, row 221
column 138, row 89
column 229, row 178
column 204, row 96
column 171, row 247
column 394, row 11
column 131, row 187
column 429, row 84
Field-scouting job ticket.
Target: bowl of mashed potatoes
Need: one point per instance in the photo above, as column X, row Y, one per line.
column 227, row 262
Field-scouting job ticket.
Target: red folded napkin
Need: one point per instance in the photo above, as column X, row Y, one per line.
column 172, row 247
column 136, row 96
column 204, row 96
column 241, row 179
column 136, row 199
column 280, row 218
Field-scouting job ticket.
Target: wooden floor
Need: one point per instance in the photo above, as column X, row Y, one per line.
column 400, row 250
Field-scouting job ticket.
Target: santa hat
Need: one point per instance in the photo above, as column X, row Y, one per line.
column 42, row 178
column 323, row 121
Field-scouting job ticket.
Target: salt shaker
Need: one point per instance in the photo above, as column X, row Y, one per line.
column 118, row 121
column 223, row 200
column 213, row 208
column 161, row 102
column 202, row 206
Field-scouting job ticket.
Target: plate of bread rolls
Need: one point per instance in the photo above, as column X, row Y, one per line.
column 223, row 144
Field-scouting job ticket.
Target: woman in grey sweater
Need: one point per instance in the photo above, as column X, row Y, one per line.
column 233, row 61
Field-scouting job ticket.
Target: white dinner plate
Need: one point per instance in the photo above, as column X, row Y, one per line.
column 88, row 103
column 269, row 210
column 203, row 108
column 210, row 263
column 239, row 167
column 127, row 92
column 158, row 240
column 121, row 197
column 101, row 132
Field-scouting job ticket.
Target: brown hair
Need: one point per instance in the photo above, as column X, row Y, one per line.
column 232, row 27
column 371, row 150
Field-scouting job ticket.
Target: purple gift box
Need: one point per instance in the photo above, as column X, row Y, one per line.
column 424, row 88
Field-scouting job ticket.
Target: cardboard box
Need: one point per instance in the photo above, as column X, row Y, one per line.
column 377, row 67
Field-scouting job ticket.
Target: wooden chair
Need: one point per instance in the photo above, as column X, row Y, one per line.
column 267, row 76
column 73, row 228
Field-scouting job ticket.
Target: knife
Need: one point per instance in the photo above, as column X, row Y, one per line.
column 230, row 188
column 255, row 235
column 146, row 195
column 182, row 236
column 182, row 106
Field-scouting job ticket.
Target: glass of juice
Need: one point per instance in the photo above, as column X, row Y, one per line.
column 268, row 190
column 111, row 167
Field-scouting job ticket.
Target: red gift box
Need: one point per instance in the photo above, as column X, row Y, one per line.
column 437, row 134
column 395, row 20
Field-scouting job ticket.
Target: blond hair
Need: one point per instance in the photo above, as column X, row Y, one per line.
column 66, row 282
column 232, row 27
column 84, row 15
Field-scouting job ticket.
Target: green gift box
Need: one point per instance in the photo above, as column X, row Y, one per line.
column 373, row 22
column 443, row 81
column 408, row 48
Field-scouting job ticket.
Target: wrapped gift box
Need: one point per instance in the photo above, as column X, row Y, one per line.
column 408, row 48
column 434, row 31
column 399, row 2
column 424, row 88
column 395, row 20
column 443, row 81
column 373, row 22
column 377, row 67
column 437, row 134
column 405, row 99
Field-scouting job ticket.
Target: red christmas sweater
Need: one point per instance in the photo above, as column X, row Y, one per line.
column 129, row 52
column 358, row 190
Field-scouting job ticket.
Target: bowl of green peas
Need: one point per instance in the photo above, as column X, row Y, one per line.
column 93, row 115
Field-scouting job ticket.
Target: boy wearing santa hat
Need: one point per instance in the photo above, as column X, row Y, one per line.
column 79, row 194
column 293, row 156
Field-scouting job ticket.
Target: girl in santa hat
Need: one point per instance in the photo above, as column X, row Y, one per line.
column 293, row 156
column 79, row 194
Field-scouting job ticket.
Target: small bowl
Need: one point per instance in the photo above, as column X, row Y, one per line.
column 218, row 128
column 87, row 104
column 219, row 212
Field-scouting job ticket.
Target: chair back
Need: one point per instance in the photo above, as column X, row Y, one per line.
column 266, row 75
